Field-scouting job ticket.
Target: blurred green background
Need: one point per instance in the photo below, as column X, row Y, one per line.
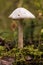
column 32, row 28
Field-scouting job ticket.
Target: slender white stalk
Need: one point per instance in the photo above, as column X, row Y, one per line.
column 20, row 35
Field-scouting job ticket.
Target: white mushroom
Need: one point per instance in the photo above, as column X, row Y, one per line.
column 20, row 14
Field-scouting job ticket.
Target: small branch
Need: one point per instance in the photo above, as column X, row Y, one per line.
column 20, row 3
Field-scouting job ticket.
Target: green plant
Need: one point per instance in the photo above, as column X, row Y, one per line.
column 2, row 50
column 21, row 54
column 41, row 47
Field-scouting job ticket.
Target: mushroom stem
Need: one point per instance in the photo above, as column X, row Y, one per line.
column 20, row 35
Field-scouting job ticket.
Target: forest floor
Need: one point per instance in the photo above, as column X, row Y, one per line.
column 6, row 61
column 10, row 61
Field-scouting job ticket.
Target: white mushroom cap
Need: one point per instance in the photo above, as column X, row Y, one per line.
column 21, row 13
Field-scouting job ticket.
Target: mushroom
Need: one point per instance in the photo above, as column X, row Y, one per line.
column 19, row 14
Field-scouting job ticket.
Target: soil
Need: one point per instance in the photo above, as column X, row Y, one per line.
column 7, row 61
